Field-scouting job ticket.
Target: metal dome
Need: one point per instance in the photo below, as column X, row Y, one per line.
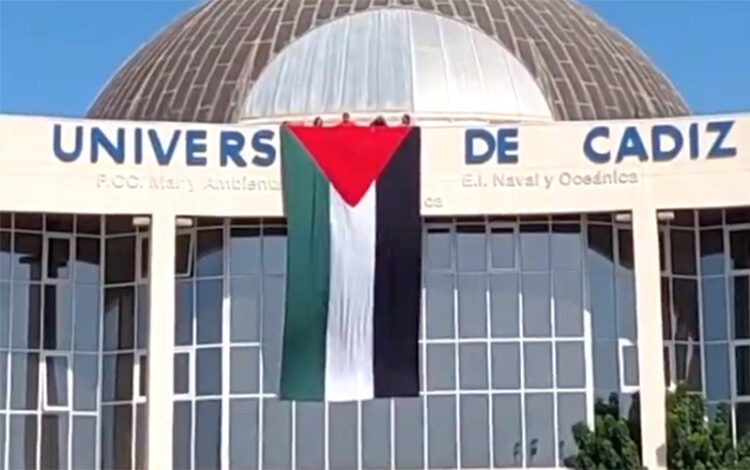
column 416, row 62
column 203, row 67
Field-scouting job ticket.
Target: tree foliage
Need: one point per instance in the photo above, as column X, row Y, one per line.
column 693, row 441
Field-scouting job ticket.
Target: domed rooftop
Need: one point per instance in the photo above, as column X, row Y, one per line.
column 230, row 60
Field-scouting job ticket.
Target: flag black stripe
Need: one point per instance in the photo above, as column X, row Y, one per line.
column 398, row 273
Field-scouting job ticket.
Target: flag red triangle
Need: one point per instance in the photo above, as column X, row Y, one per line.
column 351, row 157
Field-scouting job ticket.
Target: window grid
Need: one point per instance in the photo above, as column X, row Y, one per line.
column 71, row 353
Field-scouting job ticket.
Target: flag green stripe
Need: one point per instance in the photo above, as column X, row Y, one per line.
column 306, row 204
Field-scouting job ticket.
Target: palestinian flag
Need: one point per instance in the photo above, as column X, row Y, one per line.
column 351, row 325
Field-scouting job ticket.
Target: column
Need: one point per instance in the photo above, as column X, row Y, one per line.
column 650, row 357
column 161, row 340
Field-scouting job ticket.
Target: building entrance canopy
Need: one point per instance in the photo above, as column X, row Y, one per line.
column 65, row 165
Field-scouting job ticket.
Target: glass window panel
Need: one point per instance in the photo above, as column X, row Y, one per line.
column 566, row 247
column 712, row 252
column 717, row 368
column 243, row 433
column 116, row 436
column 86, row 308
column 503, row 246
column 606, row 367
column 274, row 250
column 119, row 318
column 3, row 380
column 441, row 367
column 662, row 251
column 210, row 253
column 181, row 431
column 666, row 309
column 342, row 432
column 688, row 365
column 90, row 224
column 741, row 317
column 739, row 247
column 83, row 446
column 310, row 435
column 183, row 313
column 119, row 260
column 625, row 250
column 471, row 248
column 181, row 373
column 536, row 305
column 571, row 371
column 6, row 220
column 600, row 254
column 142, row 312
column 25, row 316
column 145, row 245
column 245, row 365
column 506, row 363
column 2, row 438
column 714, row 309
column 27, row 258
column 540, row 431
column 245, row 308
column 183, row 252
column 209, row 221
column 439, row 312
column 85, row 381
column 58, row 258
column 273, row 326
column 743, row 419
column 58, row 316
column 54, row 441
column 473, row 366
column 4, row 314
column 207, row 434
column 208, row 311
column 708, row 217
column 6, row 255
column 117, row 379
column 441, row 432
column 535, row 247
column 208, row 371
column 504, row 305
column 742, row 364
column 22, row 448
column 277, row 434
column 244, row 251
column 625, row 295
column 472, row 305
column 506, row 425
column 568, row 297
column 683, row 251
column 119, row 224
column 24, row 381
column 57, row 380
column 537, row 359
column 684, row 218
column 143, row 375
column 475, row 443
column 141, row 435
column 630, row 365
column 29, row 221
column 408, row 432
column 667, row 365
column 602, row 299
column 376, row 434
column 685, row 309
column 571, row 410
column 439, row 248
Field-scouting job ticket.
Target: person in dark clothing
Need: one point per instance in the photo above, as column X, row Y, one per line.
column 406, row 120
column 318, row 122
column 379, row 122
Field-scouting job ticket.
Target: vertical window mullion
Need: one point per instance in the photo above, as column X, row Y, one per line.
column 522, row 362
column 226, row 340
column 730, row 273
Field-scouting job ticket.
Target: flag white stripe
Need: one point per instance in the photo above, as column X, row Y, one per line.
column 349, row 344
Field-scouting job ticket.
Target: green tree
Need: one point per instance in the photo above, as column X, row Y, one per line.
column 693, row 441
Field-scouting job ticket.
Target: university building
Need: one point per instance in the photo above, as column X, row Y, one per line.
column 583, row 238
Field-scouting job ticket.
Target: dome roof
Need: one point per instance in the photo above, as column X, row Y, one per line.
column 416, row 62
column 204, row 66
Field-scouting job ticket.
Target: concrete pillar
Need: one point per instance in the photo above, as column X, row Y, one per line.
column 161, row 341
column 650, row 357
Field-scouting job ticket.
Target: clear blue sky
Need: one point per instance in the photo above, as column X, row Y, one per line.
column 55, row 55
